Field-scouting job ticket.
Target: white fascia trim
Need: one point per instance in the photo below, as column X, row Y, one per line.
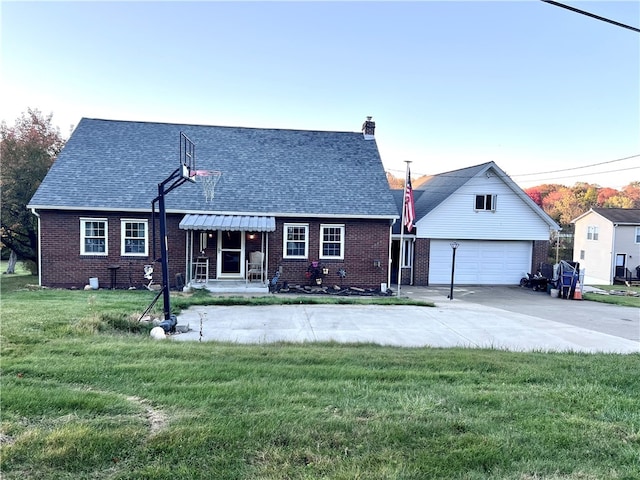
column 219, row 212
column 90, row 209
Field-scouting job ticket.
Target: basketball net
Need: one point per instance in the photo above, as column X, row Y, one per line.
column 208, row 179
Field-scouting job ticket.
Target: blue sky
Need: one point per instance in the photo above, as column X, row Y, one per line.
column 531, row 86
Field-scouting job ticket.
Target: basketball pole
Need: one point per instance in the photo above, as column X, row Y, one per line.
column 174, row 180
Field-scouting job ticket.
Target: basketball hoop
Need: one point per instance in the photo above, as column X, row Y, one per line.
column 208, row 179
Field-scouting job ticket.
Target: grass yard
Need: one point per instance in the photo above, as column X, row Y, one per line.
column 626, row 296
column 87, row 395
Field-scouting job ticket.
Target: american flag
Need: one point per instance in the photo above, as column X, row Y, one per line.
column 409, row 205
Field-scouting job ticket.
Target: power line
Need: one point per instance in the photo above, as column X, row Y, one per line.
column 576, row 168
column 586, row 174
column 417, row 174
column 592, row 15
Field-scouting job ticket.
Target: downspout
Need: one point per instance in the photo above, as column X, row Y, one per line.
column 186, row 257
column 33, row 210
column 265, row 273
column 393, row 222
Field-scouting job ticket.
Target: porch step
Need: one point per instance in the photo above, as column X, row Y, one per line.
column 238, row 287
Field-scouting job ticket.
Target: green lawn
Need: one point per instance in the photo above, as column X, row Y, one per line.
column 625, row 296
column 86, row 395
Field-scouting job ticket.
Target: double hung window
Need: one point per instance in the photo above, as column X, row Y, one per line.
column 332, row 242
column 93, row 236
column 296, row 240
column 134, row 237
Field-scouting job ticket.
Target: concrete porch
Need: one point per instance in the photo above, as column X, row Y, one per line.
column 238, row 287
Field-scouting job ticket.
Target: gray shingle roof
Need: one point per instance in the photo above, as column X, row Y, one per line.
column 439, row 187
column 431, row 192
column 436, row 189
column 629, row 216
column 117, row 165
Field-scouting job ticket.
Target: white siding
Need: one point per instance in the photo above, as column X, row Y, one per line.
column 597, row 264
column 456, row 217
column 480, row 262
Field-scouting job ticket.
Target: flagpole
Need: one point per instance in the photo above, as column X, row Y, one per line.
column 404, row 201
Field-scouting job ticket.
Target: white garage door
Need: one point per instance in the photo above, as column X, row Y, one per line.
column 479, row 262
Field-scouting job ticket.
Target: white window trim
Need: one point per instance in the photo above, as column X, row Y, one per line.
column 123, row 221
column 637, row 234
column 407, row 259
column 284, row 239
column 83, row 221
column 331, row 257
column 592, row 233
column 494, row 199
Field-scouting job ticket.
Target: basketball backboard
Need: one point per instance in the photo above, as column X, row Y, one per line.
column 187, row 158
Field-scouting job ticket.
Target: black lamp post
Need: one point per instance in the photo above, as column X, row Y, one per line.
column 454, row 247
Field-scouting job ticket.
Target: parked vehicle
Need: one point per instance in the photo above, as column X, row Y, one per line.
column 537, row 282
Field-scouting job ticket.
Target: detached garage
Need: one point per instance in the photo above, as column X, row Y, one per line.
column 502, row 233
column 478, row 262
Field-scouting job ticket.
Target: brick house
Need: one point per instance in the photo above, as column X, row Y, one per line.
column 502, row 234
column 294, row 196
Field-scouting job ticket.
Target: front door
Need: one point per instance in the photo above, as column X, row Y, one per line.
column 230, row 259
column 621, row 261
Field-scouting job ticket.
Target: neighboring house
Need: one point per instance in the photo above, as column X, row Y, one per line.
column 502, row 234
column 294, row 196
column 607, row 244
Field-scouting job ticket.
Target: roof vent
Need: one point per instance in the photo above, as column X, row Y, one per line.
column 368, row 129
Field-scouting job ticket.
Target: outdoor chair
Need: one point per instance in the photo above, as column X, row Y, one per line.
column 255, row 266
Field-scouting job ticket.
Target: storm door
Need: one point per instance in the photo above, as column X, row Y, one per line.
column 621, row 262
column 230, row 254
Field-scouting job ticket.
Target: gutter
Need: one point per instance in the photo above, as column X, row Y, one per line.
column 389, row 266
column 33, row 210
column 179, row 211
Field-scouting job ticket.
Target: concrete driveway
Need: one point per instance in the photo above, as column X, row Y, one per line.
column 509, row 318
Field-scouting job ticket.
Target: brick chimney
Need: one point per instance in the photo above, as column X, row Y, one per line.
column 368, row 129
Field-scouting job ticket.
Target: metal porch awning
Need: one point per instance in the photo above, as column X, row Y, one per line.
column 242, row 223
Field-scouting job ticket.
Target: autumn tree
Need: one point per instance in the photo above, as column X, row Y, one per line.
column 535, row 194
column 395, row 183
column 632, row 191
column 28, row 150
column 605, row 193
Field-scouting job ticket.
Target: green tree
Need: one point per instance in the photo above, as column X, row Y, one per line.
column 28, row 150
column 618, row 201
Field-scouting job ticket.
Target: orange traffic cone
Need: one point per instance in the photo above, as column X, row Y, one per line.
column 577, row 294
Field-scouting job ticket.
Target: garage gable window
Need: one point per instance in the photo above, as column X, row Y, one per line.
column 486, row 202
column 592, row 233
